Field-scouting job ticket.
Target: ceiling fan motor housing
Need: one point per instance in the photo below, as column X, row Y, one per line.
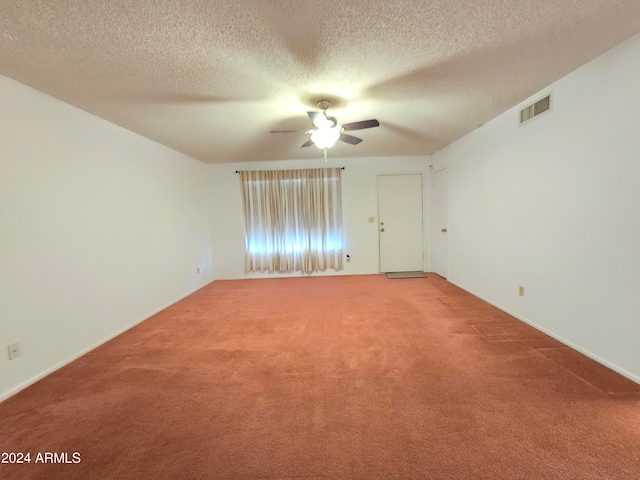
column 324, row 104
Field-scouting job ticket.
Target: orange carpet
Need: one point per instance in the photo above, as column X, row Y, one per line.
column 356, row 377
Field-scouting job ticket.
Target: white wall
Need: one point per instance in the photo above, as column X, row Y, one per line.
column 554, row 205
column 99, row 229
column 359, row 202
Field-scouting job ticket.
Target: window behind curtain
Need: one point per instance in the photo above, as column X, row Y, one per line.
column 293, row 219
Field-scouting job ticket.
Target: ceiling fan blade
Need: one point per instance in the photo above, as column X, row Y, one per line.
column 308, row 143
column 361, row 125
column 350, row 139
column 316, row 117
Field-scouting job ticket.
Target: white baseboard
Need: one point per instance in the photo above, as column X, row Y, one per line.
column 593, row 356
column 268, row 275
column 41, row 375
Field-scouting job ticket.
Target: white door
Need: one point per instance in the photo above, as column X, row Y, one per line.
column 400, row 223
column 439, row 235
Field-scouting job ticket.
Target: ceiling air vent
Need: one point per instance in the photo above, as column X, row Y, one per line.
column 535, row 109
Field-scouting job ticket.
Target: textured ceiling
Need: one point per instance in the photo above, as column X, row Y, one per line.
column 212, row 78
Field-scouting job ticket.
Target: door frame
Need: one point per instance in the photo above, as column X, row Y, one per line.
column 425, row 231
column 435, row 229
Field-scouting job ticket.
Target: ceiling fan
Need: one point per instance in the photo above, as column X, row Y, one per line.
column 327, row 131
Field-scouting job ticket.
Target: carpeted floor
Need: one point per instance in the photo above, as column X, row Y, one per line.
column 356, row 377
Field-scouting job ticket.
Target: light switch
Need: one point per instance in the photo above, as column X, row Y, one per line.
column 372, row 219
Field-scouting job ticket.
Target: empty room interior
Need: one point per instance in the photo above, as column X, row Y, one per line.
column 320, row 240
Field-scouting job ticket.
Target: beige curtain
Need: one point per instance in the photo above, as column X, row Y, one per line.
column 293, row 219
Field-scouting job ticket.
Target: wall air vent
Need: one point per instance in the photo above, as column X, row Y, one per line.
column 529, row 113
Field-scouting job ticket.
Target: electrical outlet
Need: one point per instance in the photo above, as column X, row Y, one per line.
column 14, row 351
column 521, row 291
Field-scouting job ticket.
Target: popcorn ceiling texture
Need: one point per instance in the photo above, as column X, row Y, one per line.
column 212, row 78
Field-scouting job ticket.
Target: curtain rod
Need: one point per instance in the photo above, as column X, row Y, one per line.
column 341, row 168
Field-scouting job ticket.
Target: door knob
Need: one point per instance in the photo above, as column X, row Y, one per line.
column 444, row 230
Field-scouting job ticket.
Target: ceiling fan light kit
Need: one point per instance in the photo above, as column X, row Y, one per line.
column 325, row 137
column 327, row 131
